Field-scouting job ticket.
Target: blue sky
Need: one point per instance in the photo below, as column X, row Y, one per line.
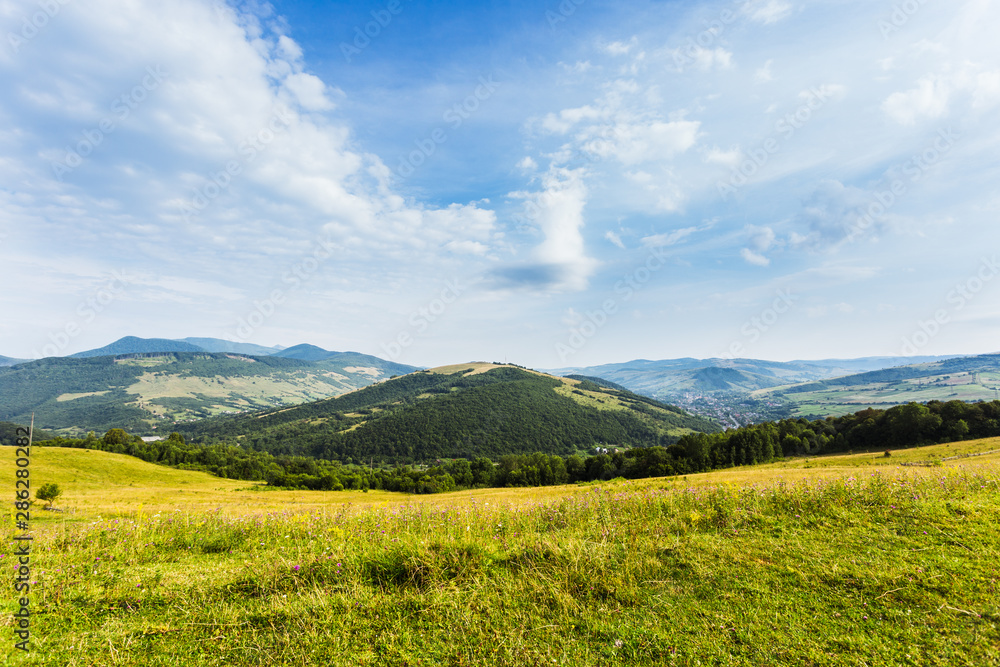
column 554, row 184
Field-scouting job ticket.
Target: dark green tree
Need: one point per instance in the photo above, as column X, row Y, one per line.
column 48, row 492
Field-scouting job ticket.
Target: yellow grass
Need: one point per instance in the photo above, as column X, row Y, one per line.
column 98, row 483
column 367, row 370
column 477, row 367
column 72, row 397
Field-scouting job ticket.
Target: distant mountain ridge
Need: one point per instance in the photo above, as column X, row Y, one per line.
column 670, row 376
column 219, row 345
column 741, row 391
column 134, row 345
column 306, row 352
column 147, row 384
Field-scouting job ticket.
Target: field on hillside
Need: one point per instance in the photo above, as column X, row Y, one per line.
column 842, row 400
column 849, row 560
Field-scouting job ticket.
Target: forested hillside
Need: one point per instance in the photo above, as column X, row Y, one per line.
column 427, row 415
column 900, row 427
column 143, row 392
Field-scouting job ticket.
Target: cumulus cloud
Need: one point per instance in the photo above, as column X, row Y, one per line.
column 933, row 95
column 563, row 122
column 761, row 238
column 928, row 99
column 835, row 214
column 189, row 145
column 309, row 91
column 560, row 262
column 218, row 137
column 634, row 141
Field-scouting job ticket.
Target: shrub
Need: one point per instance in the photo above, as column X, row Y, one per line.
column 48, row 492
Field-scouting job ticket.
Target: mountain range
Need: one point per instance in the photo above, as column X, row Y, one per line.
column 151, row 384
column 146, row 385
column 736, row 392
column 671, row 377
column 10, row 361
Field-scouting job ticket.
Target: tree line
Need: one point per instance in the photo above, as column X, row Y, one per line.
column 901, row 426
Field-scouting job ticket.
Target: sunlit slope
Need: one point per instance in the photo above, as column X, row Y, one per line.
column 98, row 483
column 966, row 379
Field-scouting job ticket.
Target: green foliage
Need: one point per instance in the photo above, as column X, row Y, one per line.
column 48, row 492
column 588, row 382
column 878, row 570
column 9, row 434
column 425, row 416
column 901, row 426
column 36, row 386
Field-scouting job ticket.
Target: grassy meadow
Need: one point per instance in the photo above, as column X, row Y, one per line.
column 838, row 560
column 844, row 400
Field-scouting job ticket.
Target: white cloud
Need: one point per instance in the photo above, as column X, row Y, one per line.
column 754, row 258
column 562, row 122
column 561, row 220
column 669, row 238
column 289, row 49
column 761, row 238
column 620, row 48
column 560, row 262
column 729, row 159
column 310, row 92
column 466, row 247
column 986, row 90
column 229, row 89
column 707, row 59
column 764, row 74
column 579, row 67
column 767, row 11
column 614, row 238
column 527, row 164
column 636, row 141
column 934, row 94
column 929, row 99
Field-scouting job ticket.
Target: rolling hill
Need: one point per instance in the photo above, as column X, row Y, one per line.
column 146, row 391
column 969, row 379
column 736, row 392
column 466, row 410
column 669, row 378
column 220, row 345
column 133, row 345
